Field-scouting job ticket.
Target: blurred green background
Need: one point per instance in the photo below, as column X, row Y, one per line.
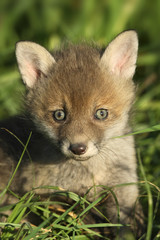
column 50, row 22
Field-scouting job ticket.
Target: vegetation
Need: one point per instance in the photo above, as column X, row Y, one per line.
column 49, row 23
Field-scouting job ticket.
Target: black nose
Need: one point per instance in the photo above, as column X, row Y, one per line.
column 78, row 148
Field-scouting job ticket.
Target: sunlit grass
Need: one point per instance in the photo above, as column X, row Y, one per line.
column 63, row 220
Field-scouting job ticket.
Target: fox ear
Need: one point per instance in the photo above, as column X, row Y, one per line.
column 33, row 61
column 120, row 56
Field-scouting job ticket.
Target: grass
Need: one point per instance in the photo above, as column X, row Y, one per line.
column 62, row 225
column 65, row 221
column 49, row 23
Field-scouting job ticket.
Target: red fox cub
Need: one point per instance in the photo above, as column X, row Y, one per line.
column 77, row 102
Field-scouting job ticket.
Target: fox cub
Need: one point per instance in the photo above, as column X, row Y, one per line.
column 77, row 102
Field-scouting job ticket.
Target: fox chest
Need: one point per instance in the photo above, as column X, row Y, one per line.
column 70, row 176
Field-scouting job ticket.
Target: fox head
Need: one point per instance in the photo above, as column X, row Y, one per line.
column 80, row 97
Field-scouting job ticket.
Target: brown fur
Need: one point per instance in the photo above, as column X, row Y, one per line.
column 79, row 80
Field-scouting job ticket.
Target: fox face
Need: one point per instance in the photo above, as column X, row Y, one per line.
column 80, row 97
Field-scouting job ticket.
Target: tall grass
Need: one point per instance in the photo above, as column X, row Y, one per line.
column 49, row 23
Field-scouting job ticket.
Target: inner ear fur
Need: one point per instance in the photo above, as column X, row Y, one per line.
column 33, row 60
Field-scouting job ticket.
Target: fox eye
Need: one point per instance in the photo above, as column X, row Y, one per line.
column 101, row 114
column 59, row 115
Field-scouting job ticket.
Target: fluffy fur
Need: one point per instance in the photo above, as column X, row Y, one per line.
column 78, row 80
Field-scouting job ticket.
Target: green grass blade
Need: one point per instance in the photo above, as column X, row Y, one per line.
column 146, row 130
column 11, row 179
column 150, row 201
